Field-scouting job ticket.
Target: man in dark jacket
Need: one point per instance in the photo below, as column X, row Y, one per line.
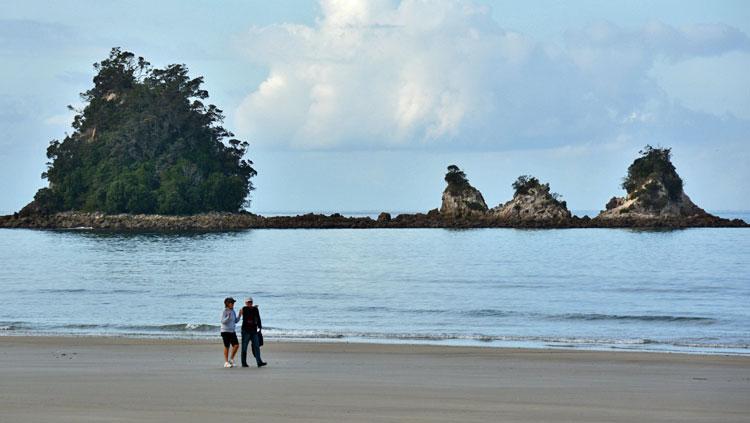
column 251, row 325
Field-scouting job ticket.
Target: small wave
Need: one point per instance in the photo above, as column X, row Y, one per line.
column 83, row 326
column 712, row 345
column 302, row 334
column 11, row 326
column 368, row 309
column 382, row 309
column 128, row 291
column 62, row 290
column 626, row 317
column 487, row 312
column 175, row 327
column 425, row 311
column 689, row 290
column 549, row 341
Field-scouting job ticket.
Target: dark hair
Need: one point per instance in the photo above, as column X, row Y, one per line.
column 229, row 300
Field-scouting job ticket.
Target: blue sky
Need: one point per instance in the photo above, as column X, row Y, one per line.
column 353, row 105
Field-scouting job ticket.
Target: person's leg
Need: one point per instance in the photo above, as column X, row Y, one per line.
column 235, row 347
column 245, row 342
column 256, row 349
column 225, row 341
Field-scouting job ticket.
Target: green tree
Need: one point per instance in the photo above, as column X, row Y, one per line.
column 655, row 164
column 145, row 142
column 456, row 178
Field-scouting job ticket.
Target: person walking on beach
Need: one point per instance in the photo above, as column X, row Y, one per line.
column 251, row 326
column 229, row 321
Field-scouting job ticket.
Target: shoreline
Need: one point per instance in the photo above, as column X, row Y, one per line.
column 332, row 345
column 524, row 346
column 220, row 222
column 114, row 379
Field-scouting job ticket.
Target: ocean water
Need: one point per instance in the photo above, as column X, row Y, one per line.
column 679, row 291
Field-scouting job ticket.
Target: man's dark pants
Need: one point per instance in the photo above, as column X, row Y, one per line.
column 250, row 337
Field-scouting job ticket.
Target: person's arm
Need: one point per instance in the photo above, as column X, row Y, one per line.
column 225, row 316
column 257, row 314
column 237, row 318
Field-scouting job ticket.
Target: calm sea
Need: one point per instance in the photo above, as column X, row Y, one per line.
column 681, row 290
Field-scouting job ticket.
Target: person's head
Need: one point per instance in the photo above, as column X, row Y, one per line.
column 249, row 301
column 229, row 302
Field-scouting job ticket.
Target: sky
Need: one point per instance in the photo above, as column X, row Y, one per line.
column 353, row 105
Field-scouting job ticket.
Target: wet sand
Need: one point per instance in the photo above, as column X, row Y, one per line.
column 75, row 379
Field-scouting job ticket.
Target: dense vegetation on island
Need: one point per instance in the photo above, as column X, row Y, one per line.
column 456, row 179
column 145, row 142
column 526, row 184
column 652, row 173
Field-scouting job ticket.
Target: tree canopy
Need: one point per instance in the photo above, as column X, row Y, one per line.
column 145, row 142
column 655, row 164
column 456, row 178
column 525, row 183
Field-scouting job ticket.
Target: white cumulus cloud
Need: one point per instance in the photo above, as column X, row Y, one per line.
column 409, row 74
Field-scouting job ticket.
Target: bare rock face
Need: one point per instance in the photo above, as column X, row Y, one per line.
column 460, row 199
column 384, row 217
column 654, row 191
column 651, row 200
column 532, row 201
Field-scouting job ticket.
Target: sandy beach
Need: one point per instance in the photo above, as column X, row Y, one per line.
column 69, row 379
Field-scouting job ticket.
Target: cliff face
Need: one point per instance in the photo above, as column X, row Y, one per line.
column 464, row 202
column 651, row 200
column 654, row 191
column 460, row 199
column 532, row 201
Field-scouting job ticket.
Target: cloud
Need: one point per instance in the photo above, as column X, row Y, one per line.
column 413, row 74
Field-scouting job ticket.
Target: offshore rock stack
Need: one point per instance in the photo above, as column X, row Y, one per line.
column 460, row 199
column 532, row 202
column 654, row 193
column 654, row 199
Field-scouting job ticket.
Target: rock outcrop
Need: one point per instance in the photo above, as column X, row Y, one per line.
column 211, row 222
column 532, row 201
column 654, row 192
column 460, row 199
column 655, row 199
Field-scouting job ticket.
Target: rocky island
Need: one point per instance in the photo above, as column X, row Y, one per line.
column 655, row 196
column 654, row 199
column 532, row 202
column 147, row 154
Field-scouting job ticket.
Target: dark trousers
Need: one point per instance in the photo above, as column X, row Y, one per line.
column 250, row 337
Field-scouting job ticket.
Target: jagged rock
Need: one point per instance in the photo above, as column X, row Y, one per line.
column 460, row 199
column 655, row 200
column 532, row 201
column 238, row 221
column 654, row 191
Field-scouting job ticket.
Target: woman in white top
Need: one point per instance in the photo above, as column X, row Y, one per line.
column 228, row 321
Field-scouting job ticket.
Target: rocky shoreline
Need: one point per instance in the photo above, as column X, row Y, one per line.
column 213, row 222
column 655, row 199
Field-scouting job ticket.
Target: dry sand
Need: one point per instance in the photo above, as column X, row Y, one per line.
column 72, row 379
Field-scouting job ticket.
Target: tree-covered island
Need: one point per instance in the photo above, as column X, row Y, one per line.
column 147, row 154
column 145, row 142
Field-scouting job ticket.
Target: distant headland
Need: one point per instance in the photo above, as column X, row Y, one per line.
column 147, row 154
